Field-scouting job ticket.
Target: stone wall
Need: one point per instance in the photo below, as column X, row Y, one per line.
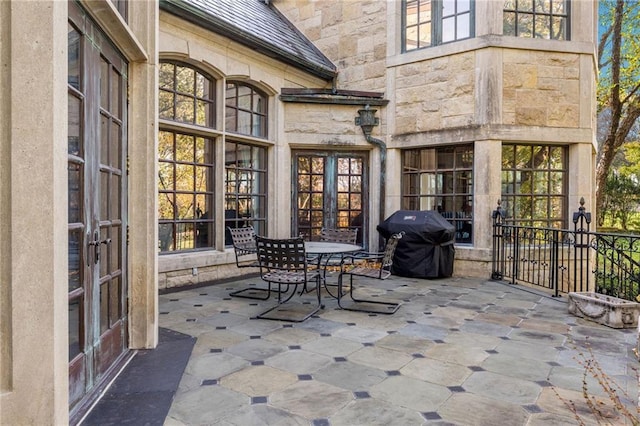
column 434, row 94
column 353, row 34
column 541, row 88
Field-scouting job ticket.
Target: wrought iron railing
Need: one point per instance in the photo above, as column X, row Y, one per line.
column 564, row 260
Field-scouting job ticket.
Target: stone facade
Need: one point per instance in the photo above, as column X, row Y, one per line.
column 485, row 90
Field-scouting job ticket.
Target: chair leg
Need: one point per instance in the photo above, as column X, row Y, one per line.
column 386, row 308
column 253, row 293
column 265, row 314
column 256, row 293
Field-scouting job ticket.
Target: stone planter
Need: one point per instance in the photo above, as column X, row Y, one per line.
column 607, row 310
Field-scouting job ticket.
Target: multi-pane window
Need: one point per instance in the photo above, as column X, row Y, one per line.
column 246, row 187
column 533, row 185
column 186, row 160
column 537, row 19
column 330, row 192
column 185, row 183
column 186, row 95
column 433, row 22
column 441, row 179
column 246, row 110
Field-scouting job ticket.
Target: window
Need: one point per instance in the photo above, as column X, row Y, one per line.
column 533, row 185
column 331, row 192
column 433, row 22
column 246, row 187
column 441, row 179
column 121, row 7
column 246, row 110
column 185, row 183
column 537, row 19
column 186, row 95
column 186, row 160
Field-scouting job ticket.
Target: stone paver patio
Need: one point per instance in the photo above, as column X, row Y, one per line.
column 458, row 352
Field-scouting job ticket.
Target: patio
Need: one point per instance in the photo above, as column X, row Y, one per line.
column 458, row 351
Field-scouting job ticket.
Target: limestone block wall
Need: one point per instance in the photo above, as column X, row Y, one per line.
column 434, row 94
column 318, row 124
column 541, row 88
column 353, row 34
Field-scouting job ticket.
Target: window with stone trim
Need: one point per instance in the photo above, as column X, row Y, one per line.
column 441, row 178
column 427, row 23
column 246, row 110
column 186, row 169
column 186, row 95
column 187, row 166
column 534, row 185
column 548, row 19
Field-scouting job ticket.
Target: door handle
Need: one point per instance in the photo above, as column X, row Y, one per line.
column 96, row 245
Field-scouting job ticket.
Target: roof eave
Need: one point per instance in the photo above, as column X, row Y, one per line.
column 332, row 97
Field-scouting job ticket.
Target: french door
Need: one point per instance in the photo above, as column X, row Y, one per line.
column 97, row 87
column 330, row 190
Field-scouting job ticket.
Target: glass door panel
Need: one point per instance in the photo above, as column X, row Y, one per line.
column 97, row 200
column 329, row 192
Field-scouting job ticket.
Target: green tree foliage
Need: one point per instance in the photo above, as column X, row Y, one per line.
column 622, row 190
column 618, row 86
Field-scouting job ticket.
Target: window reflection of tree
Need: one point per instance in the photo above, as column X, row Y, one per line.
column 245, row 187
column 533, row 184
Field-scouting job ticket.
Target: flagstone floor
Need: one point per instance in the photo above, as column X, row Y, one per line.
column 458, row 352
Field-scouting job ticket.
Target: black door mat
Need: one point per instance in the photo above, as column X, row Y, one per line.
column 143, row 392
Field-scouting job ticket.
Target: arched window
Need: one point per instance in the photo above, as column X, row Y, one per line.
column 246, row 110
column 186, row 160
column 186, row 95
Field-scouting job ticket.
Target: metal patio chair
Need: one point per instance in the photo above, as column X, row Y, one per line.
column 368, row 265
column 339, row 235
column 244, row 247
column 284, row 262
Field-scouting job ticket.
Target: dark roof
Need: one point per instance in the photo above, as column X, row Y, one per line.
column 258, row 25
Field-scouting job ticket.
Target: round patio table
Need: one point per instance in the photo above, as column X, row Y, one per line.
column 328, row 249
column 322, row 248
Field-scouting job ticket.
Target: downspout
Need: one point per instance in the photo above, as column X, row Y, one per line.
column 366, row 120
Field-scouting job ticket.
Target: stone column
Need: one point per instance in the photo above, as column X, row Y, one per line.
column 33, row 190
column 143, row 152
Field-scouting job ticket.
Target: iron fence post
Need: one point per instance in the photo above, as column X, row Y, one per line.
column 555, row 262
column 583, row 218
column 498, row 242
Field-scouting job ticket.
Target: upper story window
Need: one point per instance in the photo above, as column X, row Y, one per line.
column 246, row 110
column 186, row 95
column 428, row 23
column 537, row 19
